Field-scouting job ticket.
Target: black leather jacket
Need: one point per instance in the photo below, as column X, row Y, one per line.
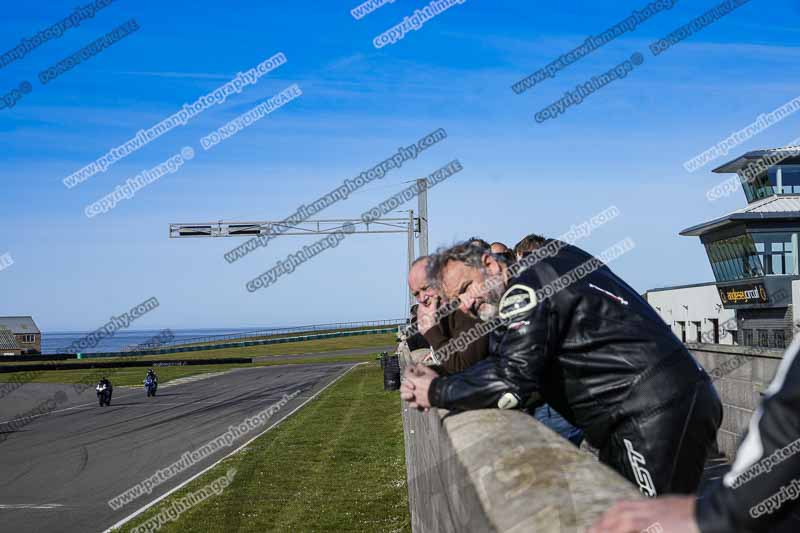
column 595, row 350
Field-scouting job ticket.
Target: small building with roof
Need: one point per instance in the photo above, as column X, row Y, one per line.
column 25, row 332
column 8, row 343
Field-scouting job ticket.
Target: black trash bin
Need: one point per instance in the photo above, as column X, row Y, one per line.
column 391, row 373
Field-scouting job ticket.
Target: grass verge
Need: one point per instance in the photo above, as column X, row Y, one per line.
column 338, row 464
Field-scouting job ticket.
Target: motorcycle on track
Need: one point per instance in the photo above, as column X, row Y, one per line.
column 150, row 386
column 103, row 394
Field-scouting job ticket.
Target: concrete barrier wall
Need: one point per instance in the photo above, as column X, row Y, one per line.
column 740, row 374
column 501, row 471
column 493, row 470
column 440, row 497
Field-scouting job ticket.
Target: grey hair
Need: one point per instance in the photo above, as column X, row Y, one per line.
column 468, row 252
column 419, row 260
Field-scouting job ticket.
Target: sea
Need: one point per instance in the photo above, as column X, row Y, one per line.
column 126, row 339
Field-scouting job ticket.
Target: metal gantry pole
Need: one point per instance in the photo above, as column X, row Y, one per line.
column 274, row 228
column 411, row 257
column 422, row 201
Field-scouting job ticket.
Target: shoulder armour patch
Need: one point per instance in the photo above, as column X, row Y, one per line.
column 508, row 401
column 517, row 300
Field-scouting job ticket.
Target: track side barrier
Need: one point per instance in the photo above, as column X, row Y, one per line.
column 501, row 471
column 123, row 364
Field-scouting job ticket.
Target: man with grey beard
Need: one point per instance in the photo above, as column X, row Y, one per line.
column 569, row 331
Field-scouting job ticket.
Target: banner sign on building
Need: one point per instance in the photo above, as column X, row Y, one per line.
column 753, row 293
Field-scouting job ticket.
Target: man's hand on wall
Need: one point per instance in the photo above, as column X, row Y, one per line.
column 673, row 514
column 415, row 386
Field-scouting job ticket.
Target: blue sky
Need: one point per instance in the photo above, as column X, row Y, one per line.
column 623, row 146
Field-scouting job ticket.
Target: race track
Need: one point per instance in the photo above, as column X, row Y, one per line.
column 60, row 470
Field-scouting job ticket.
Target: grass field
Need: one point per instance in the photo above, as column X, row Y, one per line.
column 322, row 345
column 281, row 335
column 134, row 375
column 338, row 464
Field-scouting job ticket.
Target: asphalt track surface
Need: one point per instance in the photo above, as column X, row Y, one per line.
column 60, row 470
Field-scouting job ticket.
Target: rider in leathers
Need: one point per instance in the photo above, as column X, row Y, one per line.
column 763, row 486
column 596, row 351
column 761, row 492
